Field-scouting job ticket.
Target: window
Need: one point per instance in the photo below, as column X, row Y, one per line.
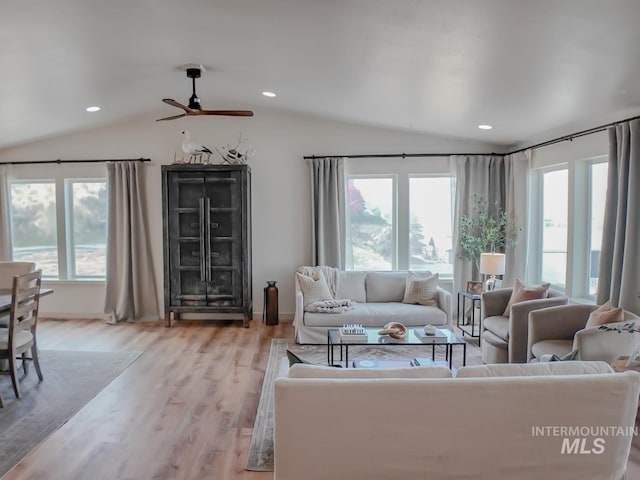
column 399, row 222
column 371, row 223
column 430, row 240
column 568, row 203
column 61, row 225
column 598, row 190
column 555, row 199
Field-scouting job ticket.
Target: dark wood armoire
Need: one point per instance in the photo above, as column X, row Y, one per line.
column 207, row 240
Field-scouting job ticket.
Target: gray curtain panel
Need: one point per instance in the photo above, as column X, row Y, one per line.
column 619, row 272
column 131, row 288
column 503, row 181
column 328, row 211
column 5, row 232
column 517, row 188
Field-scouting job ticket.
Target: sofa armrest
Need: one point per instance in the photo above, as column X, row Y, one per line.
column 561, row 323
column 519, row 325
column 443, row 297
column 298, row 318
column 494, row 302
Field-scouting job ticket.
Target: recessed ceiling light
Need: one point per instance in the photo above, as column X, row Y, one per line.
column 93, row 109
column 269, row 94
column 485, row 127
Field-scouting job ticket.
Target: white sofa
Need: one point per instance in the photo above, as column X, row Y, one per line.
column 379, row 300
column 498, row 422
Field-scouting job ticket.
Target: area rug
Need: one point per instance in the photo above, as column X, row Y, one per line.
column 260, row 457
column 71, row 380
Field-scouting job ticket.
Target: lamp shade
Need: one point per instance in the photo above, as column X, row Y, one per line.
column 492, row 263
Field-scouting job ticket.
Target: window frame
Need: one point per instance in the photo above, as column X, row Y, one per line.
column 578, row 225
column 401, row 213
column 63, row 177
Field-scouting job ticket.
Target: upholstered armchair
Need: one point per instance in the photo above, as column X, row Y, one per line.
column 560, row 330
column 504, row 338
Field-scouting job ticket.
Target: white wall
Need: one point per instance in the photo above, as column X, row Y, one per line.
column 280, row 184
column 582, row 148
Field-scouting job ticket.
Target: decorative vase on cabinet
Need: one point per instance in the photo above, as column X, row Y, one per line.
column 207, row 240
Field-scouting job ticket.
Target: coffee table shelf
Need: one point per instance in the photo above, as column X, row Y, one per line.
column 334, row 340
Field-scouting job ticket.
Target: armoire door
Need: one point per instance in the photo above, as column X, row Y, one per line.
column 223, row 194
column 186, row 228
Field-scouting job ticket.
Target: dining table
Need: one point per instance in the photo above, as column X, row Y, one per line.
column 5, row 298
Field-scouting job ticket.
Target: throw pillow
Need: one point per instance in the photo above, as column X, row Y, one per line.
column 314, row 290
column 295, row 359
column 522, row 292
column 605, row 313
column 571, row 356
column 421, row 290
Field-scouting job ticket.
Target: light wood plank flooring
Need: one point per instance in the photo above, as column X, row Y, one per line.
column 183, row 410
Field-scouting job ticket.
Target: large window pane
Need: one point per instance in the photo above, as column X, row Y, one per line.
column 33, row 225
column 598, row 178
column 554, row 227
column 371, row 223
column 430, row 246
column 88, row 222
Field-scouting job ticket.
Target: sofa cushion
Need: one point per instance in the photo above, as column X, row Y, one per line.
column 498, row 325
column 557, row 347
column 605, row 313
column 421, row 290
column 351, row 286
column 316, row 371
column 378, row 314
column 314, row 290
column 385, row 286
column 533, row 369
column 522, row 292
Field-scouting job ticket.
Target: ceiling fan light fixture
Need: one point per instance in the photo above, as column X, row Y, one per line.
column 93, row 108
column 485, row 127
column 269, row 94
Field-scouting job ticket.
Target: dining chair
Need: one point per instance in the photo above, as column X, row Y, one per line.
column 7, row 271
column 20, row 336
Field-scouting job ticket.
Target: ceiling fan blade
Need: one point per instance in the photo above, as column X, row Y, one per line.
column 172, row 117
column 172, row 102
column 230, row 113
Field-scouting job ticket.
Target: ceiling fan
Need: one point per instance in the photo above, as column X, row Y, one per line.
column 194, row 107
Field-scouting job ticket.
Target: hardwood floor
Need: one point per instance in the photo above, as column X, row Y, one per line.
column 183, row 410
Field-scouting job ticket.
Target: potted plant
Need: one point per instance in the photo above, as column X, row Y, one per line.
column 485, row 231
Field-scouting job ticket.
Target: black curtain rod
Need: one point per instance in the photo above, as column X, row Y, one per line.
column 564, row 138
column 399, row 155
column 78, row 161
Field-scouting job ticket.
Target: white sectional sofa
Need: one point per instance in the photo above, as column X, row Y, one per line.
column 379, row 298
column 498, row 422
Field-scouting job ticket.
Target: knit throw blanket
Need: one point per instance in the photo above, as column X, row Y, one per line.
column 331, row 306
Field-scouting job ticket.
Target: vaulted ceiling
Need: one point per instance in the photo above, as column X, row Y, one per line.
column 532, row 69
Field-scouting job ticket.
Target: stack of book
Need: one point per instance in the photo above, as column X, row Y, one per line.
column 353, row 333
column 438, row 337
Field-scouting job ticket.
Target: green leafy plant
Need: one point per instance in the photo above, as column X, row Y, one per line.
column 485, row 231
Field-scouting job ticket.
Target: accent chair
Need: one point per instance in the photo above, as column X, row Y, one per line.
column 560, row 330
column 504, row 338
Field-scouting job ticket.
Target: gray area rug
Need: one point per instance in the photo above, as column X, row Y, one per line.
column 260, row 457
column 71, row 380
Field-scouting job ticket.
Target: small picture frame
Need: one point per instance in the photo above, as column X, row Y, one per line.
column 475, row 287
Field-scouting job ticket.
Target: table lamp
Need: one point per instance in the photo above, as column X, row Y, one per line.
column 492, row 264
